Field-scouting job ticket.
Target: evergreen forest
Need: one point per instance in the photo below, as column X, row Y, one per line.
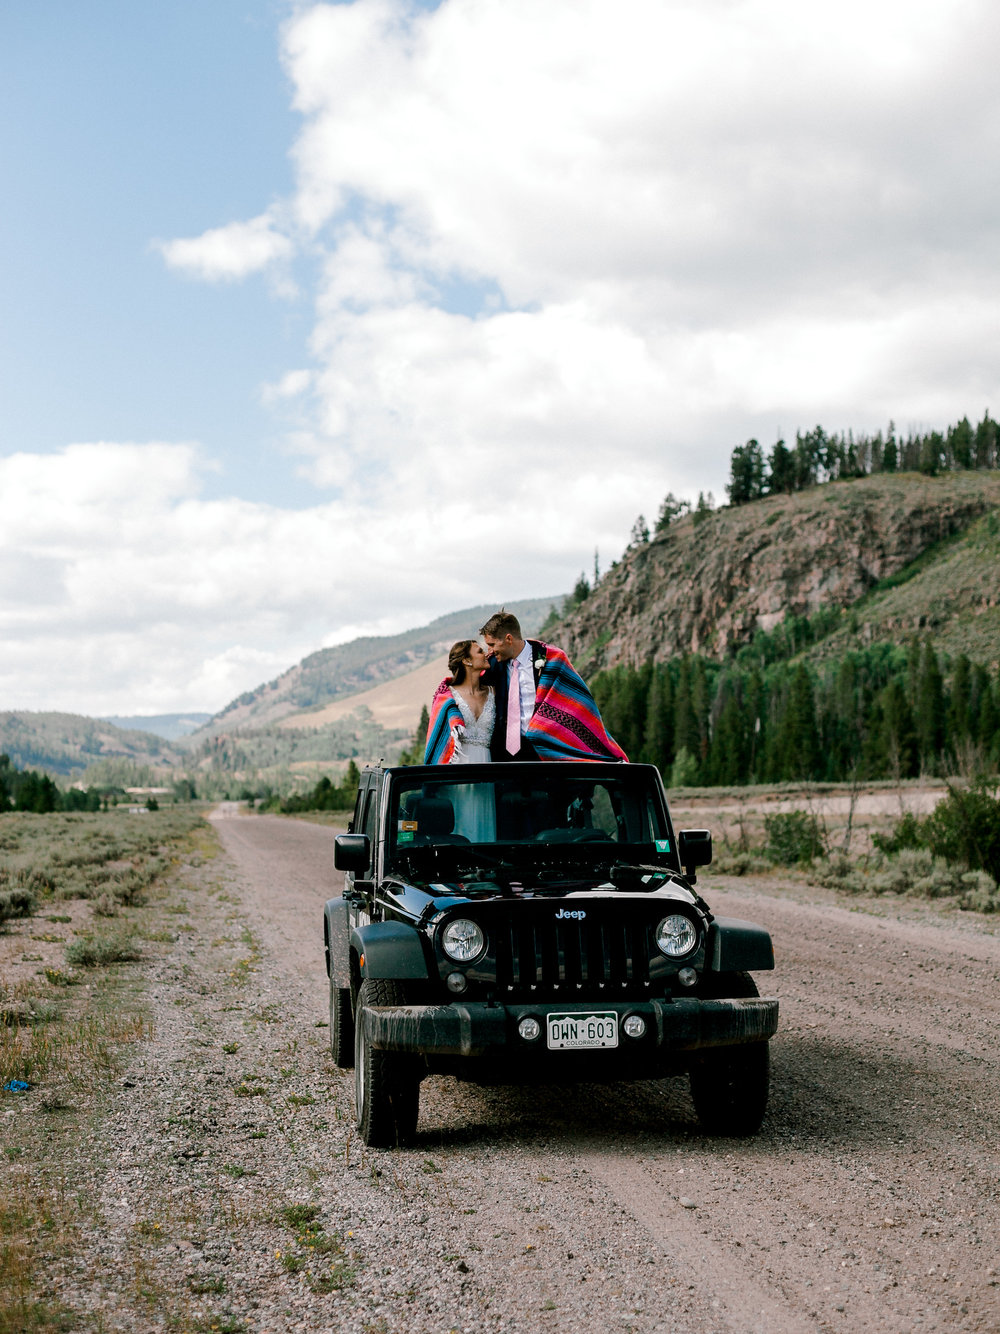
column 818, row 456
column 771, row 716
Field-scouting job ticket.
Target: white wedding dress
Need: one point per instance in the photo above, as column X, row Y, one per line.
column 473, row 747
column 475, row 814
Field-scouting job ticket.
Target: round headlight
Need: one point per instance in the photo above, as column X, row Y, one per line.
column 463, row 940
column 676, row 935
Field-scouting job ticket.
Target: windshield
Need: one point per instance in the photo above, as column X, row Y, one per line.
column 564, row 805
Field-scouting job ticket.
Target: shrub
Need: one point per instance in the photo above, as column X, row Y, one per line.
column 841, row 873
column 906, row 833
column 792, row 837
column 964, row 829
column 101, row 950
column 981, row 893
column 916, row 871
column 18, row 902
column 684, row 771
column 739, row 863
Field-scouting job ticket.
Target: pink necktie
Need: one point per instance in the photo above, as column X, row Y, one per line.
column 514, row 708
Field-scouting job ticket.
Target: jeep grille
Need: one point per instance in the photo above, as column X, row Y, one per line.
column 591, row 956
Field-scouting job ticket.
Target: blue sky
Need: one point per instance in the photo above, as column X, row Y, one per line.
column 125, row 123
column 321, row 320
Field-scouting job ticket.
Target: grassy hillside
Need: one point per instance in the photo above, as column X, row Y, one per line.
column 348, row 669
column 709, row 584
column 68, row 744
column 950, row 596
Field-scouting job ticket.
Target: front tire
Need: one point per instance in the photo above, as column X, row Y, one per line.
column 386, row 1083
column 730, row 1085
column 341, row 1026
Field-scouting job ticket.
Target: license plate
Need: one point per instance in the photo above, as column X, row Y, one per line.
column 575, row 1031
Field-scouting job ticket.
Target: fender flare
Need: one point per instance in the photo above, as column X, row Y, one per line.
column 335, row 938
column 391, row 950
column 735, row 946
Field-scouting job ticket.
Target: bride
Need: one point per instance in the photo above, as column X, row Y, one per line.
column 476, row 703
column 463, row 712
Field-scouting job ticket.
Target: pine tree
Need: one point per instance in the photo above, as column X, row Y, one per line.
column 781, row 469
column 687, row 734
column 700, row 706
column 800, row 743
column 988, row 726
column 959, row 706
column 657, row 746
column 930, row 710
column 746, row 474
column 897, row 754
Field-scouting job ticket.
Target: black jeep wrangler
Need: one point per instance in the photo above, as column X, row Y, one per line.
column 515, row 922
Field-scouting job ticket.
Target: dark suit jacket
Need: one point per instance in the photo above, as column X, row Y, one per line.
column 497, row 675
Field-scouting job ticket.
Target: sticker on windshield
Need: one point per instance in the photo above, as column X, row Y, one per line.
column 408, row 826
column 662, row 844
column 405, row 836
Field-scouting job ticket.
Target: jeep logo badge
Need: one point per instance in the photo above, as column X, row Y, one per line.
column 577, row 916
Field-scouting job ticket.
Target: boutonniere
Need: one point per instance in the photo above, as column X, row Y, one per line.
column 539, row 664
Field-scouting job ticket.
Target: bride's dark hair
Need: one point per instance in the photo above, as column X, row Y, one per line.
column 456, row 665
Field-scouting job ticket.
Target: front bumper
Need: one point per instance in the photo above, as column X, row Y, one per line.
column 481, row 1029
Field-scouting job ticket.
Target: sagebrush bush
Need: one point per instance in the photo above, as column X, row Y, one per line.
column 16, row 903
column 981, row 893
column 792, row 837
column 101, row 950
column 916, row 871
column 913, row 872
column 739, row 863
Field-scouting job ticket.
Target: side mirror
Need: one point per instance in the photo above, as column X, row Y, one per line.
column 694, row 848
column 351, row 852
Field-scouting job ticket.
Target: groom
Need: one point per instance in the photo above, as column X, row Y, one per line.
column 543, row 709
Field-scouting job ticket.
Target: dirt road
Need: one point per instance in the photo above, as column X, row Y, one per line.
column 869, row 1201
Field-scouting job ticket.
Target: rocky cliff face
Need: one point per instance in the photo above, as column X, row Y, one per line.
column 708, row 587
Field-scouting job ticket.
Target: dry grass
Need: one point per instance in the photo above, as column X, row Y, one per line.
column 68, row 1043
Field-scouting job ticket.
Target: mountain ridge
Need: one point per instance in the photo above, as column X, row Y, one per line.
column 709, row 583
column 332, row 674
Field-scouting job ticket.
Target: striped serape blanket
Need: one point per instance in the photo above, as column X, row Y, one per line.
column 566, row 724
column 443, row 728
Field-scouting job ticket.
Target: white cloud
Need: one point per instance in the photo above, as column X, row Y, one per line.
column 702, row 222
column 567, row 255
column 224, row 254
column 123, row 590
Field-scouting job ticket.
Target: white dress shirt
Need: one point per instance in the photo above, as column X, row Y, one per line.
column 527, row 682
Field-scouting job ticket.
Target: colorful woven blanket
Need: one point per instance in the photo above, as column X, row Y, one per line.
column 442, row 730
column 566, row 724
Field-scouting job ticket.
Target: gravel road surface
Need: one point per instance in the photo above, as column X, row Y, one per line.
column 869, row 1201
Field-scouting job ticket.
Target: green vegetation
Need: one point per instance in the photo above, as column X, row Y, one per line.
column 25, row 790
column 325, row 796
column 84, row 855
column 100, row 951
column 414, row 753
column 321, row 1257
column 770, row 716
column 963, row 828
column 793, row 837
column 67, row 1042
column 819, row 457
column 67, row 744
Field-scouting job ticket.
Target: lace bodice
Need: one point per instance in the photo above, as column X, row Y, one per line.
column 478, row 731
